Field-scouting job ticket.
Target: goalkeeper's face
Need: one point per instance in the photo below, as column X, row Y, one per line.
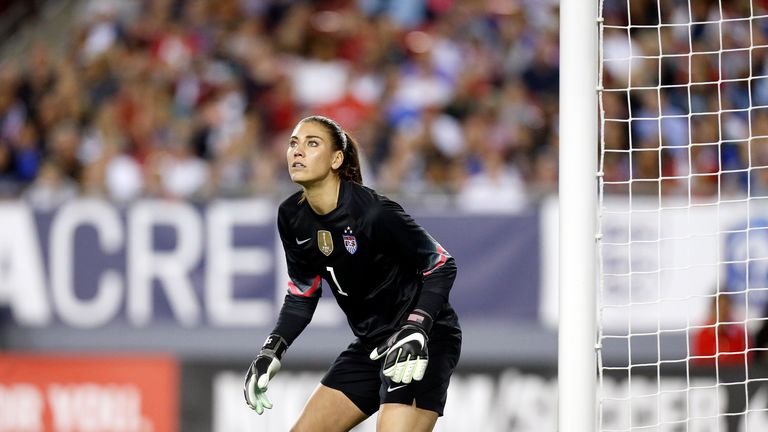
column 311, row 155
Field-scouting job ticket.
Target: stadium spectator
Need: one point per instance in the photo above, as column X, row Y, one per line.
column 51, row 188
column 722, row 341
column 721, row 347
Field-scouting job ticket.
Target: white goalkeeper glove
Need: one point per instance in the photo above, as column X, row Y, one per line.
column 406, row 350
column 262, row 370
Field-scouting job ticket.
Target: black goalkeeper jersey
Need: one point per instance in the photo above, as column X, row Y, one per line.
column 378, row 263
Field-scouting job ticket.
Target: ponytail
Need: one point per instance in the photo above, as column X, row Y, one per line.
column 350, row 168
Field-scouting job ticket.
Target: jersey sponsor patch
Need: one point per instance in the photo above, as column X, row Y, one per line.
column 350, row 242
column 325, row 242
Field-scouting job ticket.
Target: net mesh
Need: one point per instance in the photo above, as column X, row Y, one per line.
column 683, row 218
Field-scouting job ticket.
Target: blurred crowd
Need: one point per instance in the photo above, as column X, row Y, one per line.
column 698, row 75
column 191, row 99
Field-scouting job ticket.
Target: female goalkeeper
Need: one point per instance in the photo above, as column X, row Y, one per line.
column 389, row 276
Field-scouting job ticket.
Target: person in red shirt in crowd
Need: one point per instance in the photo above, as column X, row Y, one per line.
column 723, row 343
column 723, row 338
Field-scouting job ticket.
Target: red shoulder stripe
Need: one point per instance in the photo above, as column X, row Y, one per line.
column 296, row 291
column 443, row 258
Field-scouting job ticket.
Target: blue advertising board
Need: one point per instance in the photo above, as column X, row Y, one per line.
column 90, row 265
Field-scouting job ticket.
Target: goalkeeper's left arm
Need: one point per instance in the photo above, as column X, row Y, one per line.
column 406, row 350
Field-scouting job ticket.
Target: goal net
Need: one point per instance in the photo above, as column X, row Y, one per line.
column 683, row 215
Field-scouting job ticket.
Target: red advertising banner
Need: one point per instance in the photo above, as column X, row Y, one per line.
column 94, row 393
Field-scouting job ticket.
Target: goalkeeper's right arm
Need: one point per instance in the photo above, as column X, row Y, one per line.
column 294, row 316
column 262, row 369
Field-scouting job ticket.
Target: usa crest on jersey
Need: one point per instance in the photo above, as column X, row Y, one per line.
column 350, row 242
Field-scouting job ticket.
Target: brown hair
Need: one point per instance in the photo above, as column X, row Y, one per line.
column 350, row 167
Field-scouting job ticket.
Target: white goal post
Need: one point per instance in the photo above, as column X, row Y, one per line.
column 577, row 202
column 663, row 274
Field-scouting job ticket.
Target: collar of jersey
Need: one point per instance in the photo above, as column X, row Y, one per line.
column 339, row 204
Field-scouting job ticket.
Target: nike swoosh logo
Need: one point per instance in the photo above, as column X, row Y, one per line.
column 391, row 389
column 301, row 242
column 418, row 337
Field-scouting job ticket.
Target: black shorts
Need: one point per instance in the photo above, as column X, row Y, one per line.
column 361, row 379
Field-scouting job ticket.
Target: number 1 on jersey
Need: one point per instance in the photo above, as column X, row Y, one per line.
column 333, row 276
